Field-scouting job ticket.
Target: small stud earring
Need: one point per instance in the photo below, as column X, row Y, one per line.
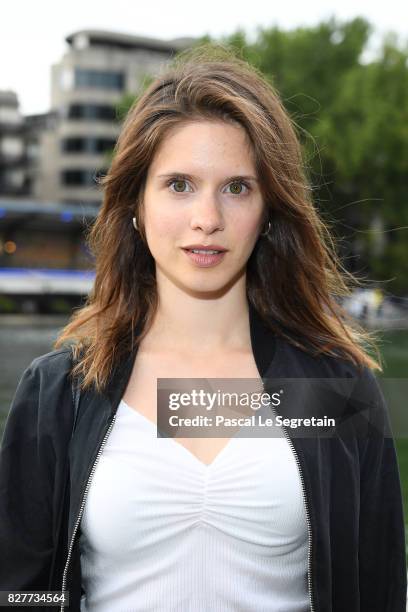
column 135, row 224
column 267, row 231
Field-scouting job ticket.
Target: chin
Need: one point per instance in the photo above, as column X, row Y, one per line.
column 213, row 287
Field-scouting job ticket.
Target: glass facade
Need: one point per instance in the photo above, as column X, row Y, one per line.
column 98, row 79
column 79, row 177
column 92, row 112
column 89, row 145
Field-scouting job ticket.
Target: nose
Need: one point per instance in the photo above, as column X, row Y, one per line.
column 207, row 214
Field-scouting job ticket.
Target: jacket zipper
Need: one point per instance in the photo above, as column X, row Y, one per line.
column 64, row 576
column 309, row 528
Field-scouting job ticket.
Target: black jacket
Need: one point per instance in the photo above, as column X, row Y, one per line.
column 350, row 480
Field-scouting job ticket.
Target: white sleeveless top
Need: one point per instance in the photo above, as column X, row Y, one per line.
column 161, row 531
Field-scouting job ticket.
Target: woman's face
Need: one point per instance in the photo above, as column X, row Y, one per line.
column 202, row 189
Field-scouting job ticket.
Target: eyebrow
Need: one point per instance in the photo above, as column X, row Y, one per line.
column 240, row 177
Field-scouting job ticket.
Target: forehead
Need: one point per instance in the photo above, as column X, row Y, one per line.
column 204, row 142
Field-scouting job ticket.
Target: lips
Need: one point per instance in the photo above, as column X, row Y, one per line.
column 205, row 260
column 204, row 251
column 205, row 248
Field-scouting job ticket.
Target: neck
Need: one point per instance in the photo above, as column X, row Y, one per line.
column 194, row 325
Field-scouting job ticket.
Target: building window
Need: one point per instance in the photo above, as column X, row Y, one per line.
column 104, row 145
column 76, row 111
column 92, row 146
column 105, row 113
column 98, row 79
column 93, row 112
column 73, row 145
column 77, row 177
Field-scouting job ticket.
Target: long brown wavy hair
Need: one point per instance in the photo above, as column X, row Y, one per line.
column 294, row 277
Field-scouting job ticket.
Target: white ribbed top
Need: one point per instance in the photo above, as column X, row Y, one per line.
column 163, row 532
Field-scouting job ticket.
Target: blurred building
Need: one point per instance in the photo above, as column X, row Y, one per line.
column 56, row 156
column 39, row 133
column 13, row 161
column 49, row 161
column 93, row 76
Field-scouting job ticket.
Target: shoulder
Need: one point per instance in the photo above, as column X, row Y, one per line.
column 49, row 375
column 53, row 359
column 358, row 384
column 297, row 361
column 41, row 407
column 45, row 378
column 54, row 366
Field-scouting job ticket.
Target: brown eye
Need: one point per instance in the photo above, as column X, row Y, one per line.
column 236, row 187
column 178, row 185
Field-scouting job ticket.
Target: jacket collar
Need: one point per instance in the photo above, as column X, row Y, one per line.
column 263, row 342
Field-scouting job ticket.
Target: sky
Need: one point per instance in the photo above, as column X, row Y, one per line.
column 32, row 34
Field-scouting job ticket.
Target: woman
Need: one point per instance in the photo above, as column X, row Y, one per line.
column 124, row 520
